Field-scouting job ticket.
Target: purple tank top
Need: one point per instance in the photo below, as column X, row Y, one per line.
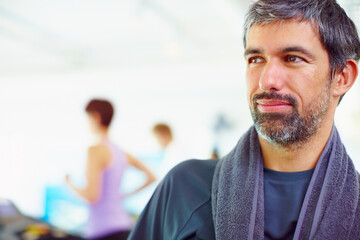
column 107, row 215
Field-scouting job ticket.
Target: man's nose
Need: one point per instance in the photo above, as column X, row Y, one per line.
column 272, row 77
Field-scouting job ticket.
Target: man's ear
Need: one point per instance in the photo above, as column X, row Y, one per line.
column 345, row 79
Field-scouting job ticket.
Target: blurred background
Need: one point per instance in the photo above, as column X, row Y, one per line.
column 179, row 62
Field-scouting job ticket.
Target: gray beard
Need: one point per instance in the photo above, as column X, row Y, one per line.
column 290, row 130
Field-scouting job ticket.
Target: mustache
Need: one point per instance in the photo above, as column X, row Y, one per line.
column 275, row 96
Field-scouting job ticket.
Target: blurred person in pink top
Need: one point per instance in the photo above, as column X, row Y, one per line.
column 105, row 166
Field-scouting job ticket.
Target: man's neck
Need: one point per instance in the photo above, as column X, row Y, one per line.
column 299, row 158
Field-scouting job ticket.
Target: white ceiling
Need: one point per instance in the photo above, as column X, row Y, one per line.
column 61, row 35
column 39, row 36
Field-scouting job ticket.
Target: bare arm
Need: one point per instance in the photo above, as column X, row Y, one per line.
column 97, row 160
column 150, row 177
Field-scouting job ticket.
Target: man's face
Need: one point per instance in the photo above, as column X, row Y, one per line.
column 288, row 81
column 163, row 139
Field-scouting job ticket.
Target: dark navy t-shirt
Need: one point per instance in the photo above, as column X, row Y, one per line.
column 180, row 208
column 284, row 195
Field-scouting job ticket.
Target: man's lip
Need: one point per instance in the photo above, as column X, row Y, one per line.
column 273, row 105
column 272, row 102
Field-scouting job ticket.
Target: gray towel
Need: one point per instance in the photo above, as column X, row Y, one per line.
column 331, row 207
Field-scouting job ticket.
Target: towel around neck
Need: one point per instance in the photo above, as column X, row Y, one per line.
column 331, row 208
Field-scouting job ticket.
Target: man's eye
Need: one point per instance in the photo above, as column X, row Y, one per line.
column 256, row 60
column 293, row 59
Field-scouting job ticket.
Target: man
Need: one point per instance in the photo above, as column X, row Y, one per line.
column 163, row 134
column 289, row 177
column 173, row 152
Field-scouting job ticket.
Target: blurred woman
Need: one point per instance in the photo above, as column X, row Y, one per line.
column 105, row 167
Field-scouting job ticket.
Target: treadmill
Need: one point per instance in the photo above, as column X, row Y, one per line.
column 16, row 226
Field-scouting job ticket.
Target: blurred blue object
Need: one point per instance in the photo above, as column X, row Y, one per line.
column 133, row 178
column 64, row 210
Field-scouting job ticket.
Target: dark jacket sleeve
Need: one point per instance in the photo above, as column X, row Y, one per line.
column 180, row 206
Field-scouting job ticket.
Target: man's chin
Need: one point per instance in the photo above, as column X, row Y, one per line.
column 274, row 123
column 271, row 129
column 277, row 133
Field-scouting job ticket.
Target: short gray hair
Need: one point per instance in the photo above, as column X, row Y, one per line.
column 337, row 31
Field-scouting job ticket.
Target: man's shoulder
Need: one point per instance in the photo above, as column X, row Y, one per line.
column 180, row 207
column 195, row 166
column 185, row 194
column 192, row 173
column 188, row 183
